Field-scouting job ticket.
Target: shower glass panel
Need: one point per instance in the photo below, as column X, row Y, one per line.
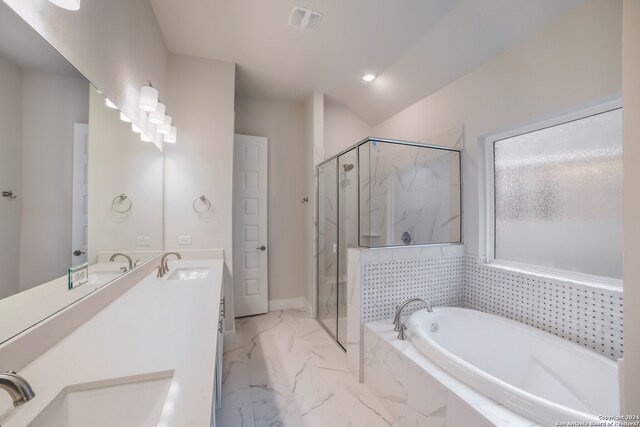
column 347, row 231
column 380, row 193
column 410, row 194
column 327, row 241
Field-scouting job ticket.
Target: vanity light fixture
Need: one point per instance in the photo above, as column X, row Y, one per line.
column 109, row 103
column 369, row 77
column 135, row 129
column 171, row 137
column 67, row 4
column 145, row 138
column 157, row 117
column 124, row 118
column 148, row 98
column 165, row 127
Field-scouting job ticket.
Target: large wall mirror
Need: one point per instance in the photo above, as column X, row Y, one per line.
column 78, row 186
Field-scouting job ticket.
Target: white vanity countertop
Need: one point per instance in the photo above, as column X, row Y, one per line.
column 158, row 325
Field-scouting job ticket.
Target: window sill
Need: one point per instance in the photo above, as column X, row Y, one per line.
column 588, row 280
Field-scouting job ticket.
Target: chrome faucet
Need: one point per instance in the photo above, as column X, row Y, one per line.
column 129, row 260
column 397, row 320
column 163, row 268
column 17, row 387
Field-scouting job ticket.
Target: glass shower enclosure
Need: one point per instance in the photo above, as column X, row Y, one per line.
column 380, row 193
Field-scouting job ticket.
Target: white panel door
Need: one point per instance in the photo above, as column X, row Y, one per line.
column 79, row 222
column 250, row 225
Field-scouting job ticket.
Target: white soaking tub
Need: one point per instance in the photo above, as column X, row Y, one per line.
column 537, row 374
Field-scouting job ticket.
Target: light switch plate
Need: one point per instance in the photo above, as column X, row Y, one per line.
column 184, row 240
column 143, row 241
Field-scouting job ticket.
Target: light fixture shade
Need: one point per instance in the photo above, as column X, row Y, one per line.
column 171, row 137
column 157, row 117
column 124, row 118
column 145, row 138
column 67, row 4
column 135, row 129
column 165, row 127
column 148, row 98
column 109, row 103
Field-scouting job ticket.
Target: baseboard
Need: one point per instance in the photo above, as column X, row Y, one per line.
column 286, row 304
column 308, row 307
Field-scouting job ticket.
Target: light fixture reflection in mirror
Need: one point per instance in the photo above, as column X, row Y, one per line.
column 157, row 117
column 109, row 103
column 148, row 98
column 67, row 4
column 165, row 127
column 171, row 137
column 124, row 118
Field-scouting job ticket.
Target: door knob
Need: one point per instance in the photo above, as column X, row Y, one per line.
column 262, row 248
column 78, row 252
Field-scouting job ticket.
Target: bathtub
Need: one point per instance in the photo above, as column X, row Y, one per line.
column 536, row 374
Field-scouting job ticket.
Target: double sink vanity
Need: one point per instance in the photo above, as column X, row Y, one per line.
column 97, row 329
column 148, row 359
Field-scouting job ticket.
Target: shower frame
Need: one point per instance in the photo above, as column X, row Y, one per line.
column 356, row 146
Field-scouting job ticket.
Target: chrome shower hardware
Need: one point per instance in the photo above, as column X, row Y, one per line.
column 8, row 195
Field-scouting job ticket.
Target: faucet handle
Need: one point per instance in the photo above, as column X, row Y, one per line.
column 160, row 271
column 401, row 334
column 12, row 372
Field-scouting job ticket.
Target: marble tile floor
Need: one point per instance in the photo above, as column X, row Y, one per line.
column 285, row 371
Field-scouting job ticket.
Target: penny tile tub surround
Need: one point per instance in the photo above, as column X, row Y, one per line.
column 585, row 314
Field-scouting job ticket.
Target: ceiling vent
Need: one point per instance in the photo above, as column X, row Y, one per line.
column 305, row 19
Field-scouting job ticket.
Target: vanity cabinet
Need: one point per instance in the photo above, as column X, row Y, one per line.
column 217, row 387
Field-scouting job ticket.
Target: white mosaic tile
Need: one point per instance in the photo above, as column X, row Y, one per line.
column 589, row 316
column 386, row 284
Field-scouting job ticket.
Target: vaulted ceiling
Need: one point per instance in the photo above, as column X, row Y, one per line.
column 414, row 46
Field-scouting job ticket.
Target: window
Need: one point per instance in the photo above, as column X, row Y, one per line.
column 557, row 197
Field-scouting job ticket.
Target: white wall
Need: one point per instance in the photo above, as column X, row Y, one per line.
column 51, row 105
column 116, row 44
column 10, row 175
column 577, row 60
column 342, row 128
column 200, row 97
column 120, row 163
column 284, row 125
column 630, row 374
column 313, row 108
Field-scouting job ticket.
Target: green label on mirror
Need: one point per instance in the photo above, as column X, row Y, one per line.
column 78, row 275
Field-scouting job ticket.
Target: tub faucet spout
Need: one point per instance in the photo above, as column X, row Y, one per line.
column 17, row 387
column 397, row 320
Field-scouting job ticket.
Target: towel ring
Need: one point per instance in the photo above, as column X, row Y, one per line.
column 120, row 199
column 203, row 199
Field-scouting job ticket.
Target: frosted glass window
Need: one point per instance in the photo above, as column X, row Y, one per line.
column 558, row 196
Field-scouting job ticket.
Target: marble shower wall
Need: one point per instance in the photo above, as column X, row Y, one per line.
column 409, row 191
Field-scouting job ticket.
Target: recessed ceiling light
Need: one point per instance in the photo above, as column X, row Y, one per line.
column 369, row 77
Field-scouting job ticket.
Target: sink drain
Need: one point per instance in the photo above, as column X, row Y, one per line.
column 434, row 327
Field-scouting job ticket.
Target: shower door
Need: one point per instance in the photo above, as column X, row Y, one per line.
column 327, row 250
column 347, row 232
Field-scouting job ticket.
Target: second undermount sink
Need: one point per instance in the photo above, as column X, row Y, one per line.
column 192, row 273
column 124, row 402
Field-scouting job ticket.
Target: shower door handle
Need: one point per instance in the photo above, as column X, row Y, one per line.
column 262, row 248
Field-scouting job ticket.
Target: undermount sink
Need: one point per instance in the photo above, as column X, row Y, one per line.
column 194, row 273
column 124, row 402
